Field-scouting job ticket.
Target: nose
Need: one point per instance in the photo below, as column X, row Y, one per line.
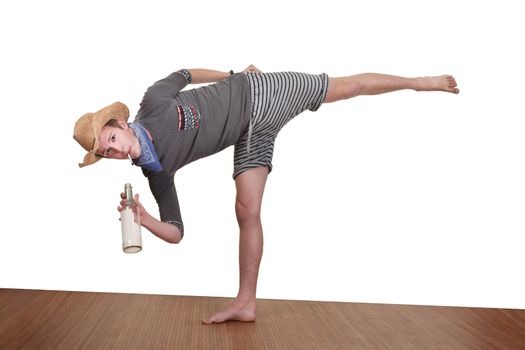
column 116, row 152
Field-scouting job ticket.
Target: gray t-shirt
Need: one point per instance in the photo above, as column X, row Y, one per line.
column 189, row 125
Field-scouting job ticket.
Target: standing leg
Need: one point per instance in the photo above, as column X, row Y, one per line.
column 250, row 188
column 373, row 84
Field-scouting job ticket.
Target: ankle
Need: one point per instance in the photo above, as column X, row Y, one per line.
column 244, row 300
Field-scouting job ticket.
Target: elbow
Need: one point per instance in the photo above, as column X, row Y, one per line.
column 175, row 232
column 175, row 238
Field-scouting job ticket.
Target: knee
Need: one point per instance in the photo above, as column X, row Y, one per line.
column 247, row 213
column 351, row 89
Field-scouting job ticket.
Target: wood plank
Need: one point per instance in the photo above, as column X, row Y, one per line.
column 34, row 319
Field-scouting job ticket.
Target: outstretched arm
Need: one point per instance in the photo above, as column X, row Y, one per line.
column 200, row 76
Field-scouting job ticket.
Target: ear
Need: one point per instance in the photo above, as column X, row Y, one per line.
column 122, row 123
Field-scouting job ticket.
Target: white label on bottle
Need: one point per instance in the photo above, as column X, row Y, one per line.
column 130, row 230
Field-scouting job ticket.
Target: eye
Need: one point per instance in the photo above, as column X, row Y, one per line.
column 106, row 153
column 113, row 137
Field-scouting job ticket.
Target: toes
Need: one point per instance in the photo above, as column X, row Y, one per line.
column 451, row 84
column 231, row 313
column 219, row 317
column 208, row 321
column 214, row 319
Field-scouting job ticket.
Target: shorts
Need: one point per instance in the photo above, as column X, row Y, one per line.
column 276, row 99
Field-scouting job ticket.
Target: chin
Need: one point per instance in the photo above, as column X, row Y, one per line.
column 134, row 154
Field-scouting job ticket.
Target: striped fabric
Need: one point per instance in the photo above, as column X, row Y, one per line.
column 276, row 99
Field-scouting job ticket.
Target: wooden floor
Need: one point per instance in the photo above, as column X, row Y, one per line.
column 31, row 319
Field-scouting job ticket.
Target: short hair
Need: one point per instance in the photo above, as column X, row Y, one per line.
column 113, row 122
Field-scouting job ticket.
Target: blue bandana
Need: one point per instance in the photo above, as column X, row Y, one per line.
column 148, row 157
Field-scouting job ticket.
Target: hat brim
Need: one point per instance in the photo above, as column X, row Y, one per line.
column 118, row 111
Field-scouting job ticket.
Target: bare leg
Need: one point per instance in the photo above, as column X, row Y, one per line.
column 250, row 189
column 374, row 84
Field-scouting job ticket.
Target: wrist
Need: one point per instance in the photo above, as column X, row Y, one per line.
column 146, row 220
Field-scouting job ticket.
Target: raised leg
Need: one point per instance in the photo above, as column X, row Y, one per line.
column 373, row 84
column 250, row 188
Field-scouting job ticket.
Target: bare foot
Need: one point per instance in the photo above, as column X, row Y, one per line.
column 235, row 312
column 445, row 83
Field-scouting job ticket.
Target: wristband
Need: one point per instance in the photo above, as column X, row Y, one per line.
column 231, row 72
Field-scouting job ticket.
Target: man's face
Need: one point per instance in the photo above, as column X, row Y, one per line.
column 118, row 143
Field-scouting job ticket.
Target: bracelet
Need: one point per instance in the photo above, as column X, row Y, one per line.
column 231, row 72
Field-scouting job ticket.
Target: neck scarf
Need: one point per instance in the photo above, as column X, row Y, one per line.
column 148, row 158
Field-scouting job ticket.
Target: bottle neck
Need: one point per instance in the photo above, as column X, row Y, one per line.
column 129, row 195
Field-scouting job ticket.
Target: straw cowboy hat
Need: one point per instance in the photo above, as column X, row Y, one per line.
column 88, row 127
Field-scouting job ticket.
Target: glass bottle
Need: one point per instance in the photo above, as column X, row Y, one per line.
column 130, row 223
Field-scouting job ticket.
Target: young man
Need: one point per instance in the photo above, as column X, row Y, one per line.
column 173, row 128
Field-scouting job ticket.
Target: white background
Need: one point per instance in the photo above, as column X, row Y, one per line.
column 413, row 198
